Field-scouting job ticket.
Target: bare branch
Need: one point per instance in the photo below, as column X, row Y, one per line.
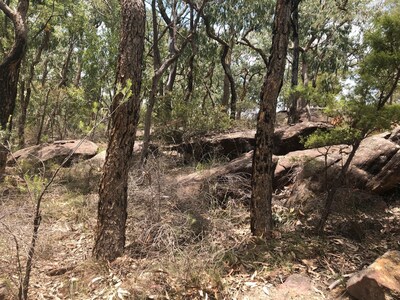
column 7, row 10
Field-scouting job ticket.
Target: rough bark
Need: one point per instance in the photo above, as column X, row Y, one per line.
column 9, row 70
column 263, row 167
column 112, row 214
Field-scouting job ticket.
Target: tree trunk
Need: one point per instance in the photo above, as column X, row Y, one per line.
column 263, row 168
column 226, row 94
column 9, row 72
column 25, row 98
column 112, row 214
column 65, row 68
column 293, row 112
column 225, row 62
column 41, row 123
column 159, row 69
column 190, row 76
column 336, row 183
column 22, row 116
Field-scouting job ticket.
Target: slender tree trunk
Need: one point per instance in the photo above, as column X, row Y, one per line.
column 25, row 98
column 243, row 93
column 65, row 67
column 9, row 72
column 293, row 112
column 225, row 62
column 112, row 214
column 226, row 93
column 172, row 49
column 148, row 117
column 336, row 183
column 78, row 75
column 263, row 168
column 159, row 69
column 190, row 76
column 41, row 123
column 45, row 72
column 22, row 116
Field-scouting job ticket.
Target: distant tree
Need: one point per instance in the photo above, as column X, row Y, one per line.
column 263, row 168
column 161, row 66
column 112, row 208
column 9, row 71
column 322, row 44
column 380, row 68
column 367, row 110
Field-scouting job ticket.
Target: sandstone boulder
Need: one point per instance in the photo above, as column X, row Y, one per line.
column 56, row 152
column 375, row 167
column 380, row 281
column 228, row 145
column 296, row 286
column 395, row 135
column 288, row 138
column 232, row 145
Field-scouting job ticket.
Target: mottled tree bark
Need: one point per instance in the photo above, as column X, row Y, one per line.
column 9, row 71
column 112, row 208
column 263, row 168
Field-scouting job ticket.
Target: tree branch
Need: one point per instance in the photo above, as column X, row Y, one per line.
column 7, row 10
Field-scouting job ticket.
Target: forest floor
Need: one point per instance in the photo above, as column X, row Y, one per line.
column 182, row 242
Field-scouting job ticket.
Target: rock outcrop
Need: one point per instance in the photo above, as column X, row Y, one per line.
column 380, row 281
column 232, row 145
column 56, row 152
column 375, row 167
column 288, row 138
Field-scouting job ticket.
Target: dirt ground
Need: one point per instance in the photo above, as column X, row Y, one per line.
column 182, row 243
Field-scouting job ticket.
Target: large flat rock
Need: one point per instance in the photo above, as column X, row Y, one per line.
column 56, row 152
column 380, row 281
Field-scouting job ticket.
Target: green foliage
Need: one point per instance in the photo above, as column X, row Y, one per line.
column 35, row 184
column 359, row 120
column 381, row 65
column 324, row 94
column 188, row 119
column 335, row 136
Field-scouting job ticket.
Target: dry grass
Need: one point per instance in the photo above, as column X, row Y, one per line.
column 191, row 245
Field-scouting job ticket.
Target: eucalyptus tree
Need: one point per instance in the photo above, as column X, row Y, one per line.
column 10, row 68
column 125, row 108
column 379, row 71
column 27, row 83
column 161, row 65
column 263, row 167
column 228, row 23
column 323, row 43
column 71, row 78
column 368, row 109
